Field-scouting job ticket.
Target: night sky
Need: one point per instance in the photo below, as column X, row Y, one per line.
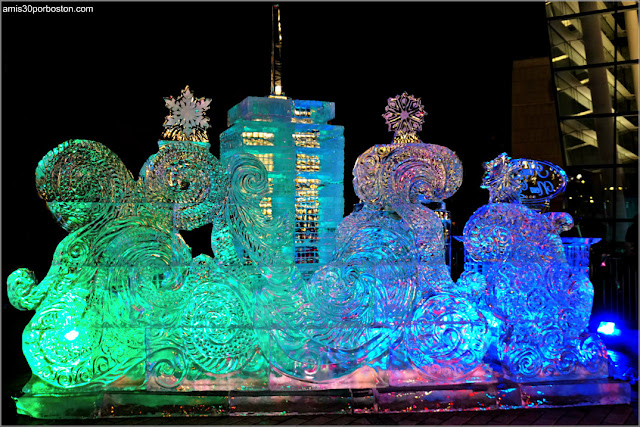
column 103, row 76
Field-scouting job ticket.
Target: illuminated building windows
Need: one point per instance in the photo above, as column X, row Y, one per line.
column 257, row 138
column 307, row 209
column 306, row 163
column 306, row 255
column 306, row 223
column 267, row 160
column 302, row 115
column 301, row 112
column 594, row 51
column 306, row 188
column 266, row 203
column 306, row 232
column 307, row 139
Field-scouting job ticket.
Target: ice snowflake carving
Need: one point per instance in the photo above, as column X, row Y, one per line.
column 187, row 121
column 503, row 180
column 531, row 182
column 404, row 115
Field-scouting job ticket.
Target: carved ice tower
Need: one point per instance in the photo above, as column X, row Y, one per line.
column 304, row 156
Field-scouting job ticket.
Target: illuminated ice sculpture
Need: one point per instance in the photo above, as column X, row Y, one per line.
column 385, row 300
column 125, row 307
column 517, row 266
column 443, row 334
column 304, row 157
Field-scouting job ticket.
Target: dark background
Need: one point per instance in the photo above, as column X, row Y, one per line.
column 103, row 75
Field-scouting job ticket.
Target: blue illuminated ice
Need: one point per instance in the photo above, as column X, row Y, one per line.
column 516, row 265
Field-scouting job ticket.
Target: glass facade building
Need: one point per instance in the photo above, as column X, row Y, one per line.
column 594, row 60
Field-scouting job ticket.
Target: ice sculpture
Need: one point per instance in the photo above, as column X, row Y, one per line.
column 517, row 265
column 124, row 278
column 443, row 335
column 70, row 341
column 125, row 307
column 304, row 158
column 124, row 295
column 385, row 300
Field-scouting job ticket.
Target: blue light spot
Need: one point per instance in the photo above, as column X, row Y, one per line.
column 608, row 328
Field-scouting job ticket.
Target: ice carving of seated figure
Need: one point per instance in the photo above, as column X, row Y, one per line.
column 515, row 264
column 385, row 302
column 437, row 332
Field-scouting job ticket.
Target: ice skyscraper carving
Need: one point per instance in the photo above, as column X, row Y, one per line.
column 304, row 156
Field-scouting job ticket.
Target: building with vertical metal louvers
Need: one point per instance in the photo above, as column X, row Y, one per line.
column 594, row 60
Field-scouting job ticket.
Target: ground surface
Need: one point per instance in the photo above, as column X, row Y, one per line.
column 586, row 415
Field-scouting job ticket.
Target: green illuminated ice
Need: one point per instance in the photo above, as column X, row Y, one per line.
column 124, row 295
column 304, row 156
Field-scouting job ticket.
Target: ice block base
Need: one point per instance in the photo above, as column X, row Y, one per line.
column 502, row 394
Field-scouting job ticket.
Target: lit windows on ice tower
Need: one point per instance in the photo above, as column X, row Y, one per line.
column 304, row 156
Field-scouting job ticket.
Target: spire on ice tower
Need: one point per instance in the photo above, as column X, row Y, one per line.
column 276, row 53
